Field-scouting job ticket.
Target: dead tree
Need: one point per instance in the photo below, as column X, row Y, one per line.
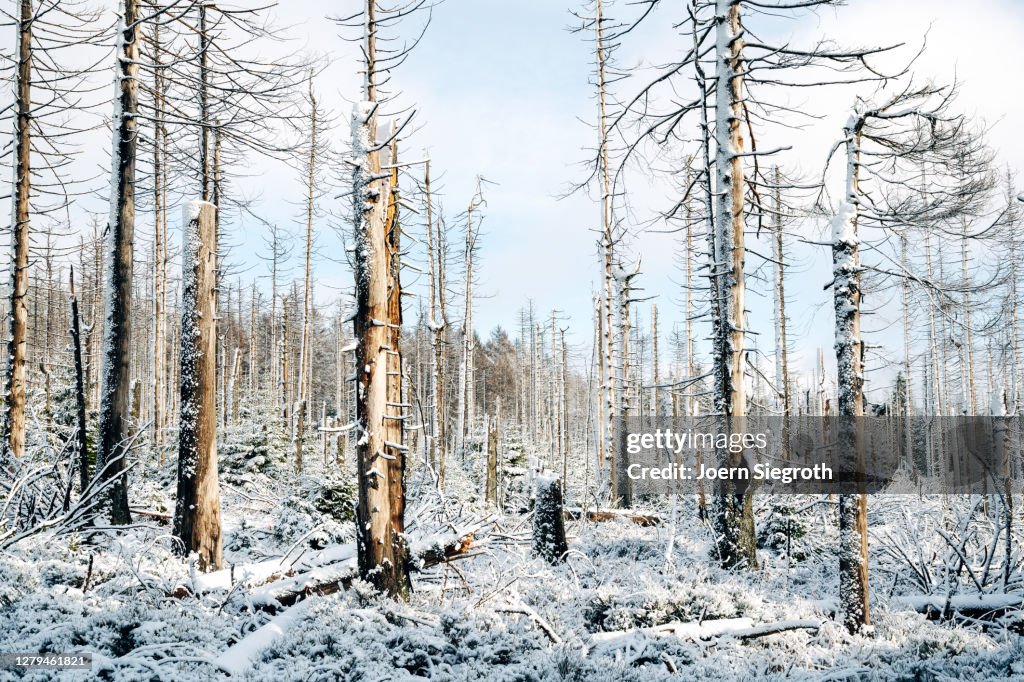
column 846, row 287
column 81, row 439
column 438, row 324
column 380, row 524
column 727, row 132
column 782, row 387
column 14, row 393
column 197, row 513
column 910, row 129
column 493, row 465
column 114, row 418
column 316, row 153
column 548, row 520
column 467, row 372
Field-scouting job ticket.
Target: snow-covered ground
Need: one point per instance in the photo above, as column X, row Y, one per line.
column 629, row 603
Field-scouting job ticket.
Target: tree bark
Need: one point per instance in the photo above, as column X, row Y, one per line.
column 114, row 424
column 197, row 514
column 846, row 270
column 14, row 412
column 548, row 521
column 781, row 324
column 81, row 441
column 735, row 517
column 380, row 543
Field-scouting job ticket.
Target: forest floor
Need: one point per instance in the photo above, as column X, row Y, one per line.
column 629, row 602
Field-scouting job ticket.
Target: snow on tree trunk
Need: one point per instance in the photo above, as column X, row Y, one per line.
column 381, row 546
column 853, row 541
column 548, row 520
column 734, row 519
column 197, row 513
column 14, row 390
column 114, row 427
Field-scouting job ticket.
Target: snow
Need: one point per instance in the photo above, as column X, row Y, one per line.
column 844, row 225
column 194, row 208
column 617, row 608
column 240, row 657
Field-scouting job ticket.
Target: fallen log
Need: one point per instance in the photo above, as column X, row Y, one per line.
column 293, row 592
column 239, row 657
column 276, row 585
column 152, row 515
column 735, row 628
column 642, row 520
column 977, row 606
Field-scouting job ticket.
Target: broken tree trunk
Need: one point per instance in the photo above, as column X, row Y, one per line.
column 846, row 289
column 197, row 514
column 548, row 522
column 380, row 526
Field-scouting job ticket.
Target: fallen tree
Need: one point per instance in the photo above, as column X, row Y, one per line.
column 276, row 584
column 734, row 628
column 976, row 606
column 281, row 592
column 596, row 516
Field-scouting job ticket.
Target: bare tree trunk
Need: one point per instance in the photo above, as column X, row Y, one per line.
column 622, row 493
column 197, row 514
column 82, row 458
column 932, row 382
column 491, row 482
column 284, row 351
column 967, row 371
column 781, row 325
column 113, row 433
column 253, row 357
column 441, row 363
column 846, row 268
column 380, row 543
column 236, row 365
column 602, row 426
column 908, row 402
column 14, row 393
column 735, row 517
column 398, row 403
column 159, row 245
column 466, row 375
column 692, row 404
column 307, row 294
column 608, row 242
column 437, row 327
column 655, row 370
column 563, row 408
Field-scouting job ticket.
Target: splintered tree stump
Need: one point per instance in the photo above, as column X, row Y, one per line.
column 548, row 522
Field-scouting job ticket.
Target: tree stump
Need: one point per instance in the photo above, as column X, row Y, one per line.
column 548, row 520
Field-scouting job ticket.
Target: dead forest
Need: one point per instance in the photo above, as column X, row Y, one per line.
column 250, row 441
